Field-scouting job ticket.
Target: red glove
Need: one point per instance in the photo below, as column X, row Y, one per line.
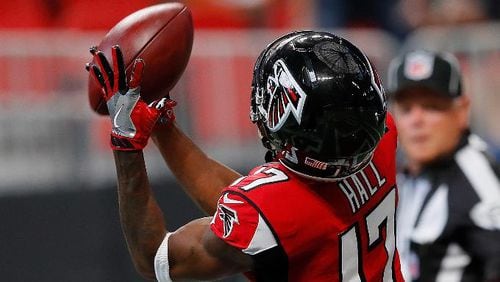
column 133, row 120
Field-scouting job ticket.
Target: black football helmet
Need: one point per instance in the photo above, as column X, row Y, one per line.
column 318, row 103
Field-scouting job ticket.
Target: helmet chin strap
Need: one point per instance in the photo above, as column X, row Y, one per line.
column 270, row 156
column 326, row 178
column 315, row 178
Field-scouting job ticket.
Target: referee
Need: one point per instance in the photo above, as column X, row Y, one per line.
column 449, row 208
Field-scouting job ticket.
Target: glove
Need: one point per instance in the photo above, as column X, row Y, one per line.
column 132, row 119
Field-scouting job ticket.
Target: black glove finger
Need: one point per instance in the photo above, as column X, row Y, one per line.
column 97, row 75
column 105, row 69
column 120, row 76
column 93, row 50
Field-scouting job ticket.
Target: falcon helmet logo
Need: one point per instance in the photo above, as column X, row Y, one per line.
column 286, row 97
column 228, row 217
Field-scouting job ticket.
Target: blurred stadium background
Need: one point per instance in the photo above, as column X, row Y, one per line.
column 58, row 210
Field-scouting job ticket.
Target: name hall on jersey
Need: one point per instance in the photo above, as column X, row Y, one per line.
column 360, row 187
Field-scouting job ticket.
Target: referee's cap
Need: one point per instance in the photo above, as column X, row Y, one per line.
column 425, row 69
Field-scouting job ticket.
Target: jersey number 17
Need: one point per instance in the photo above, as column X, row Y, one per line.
column 350, row 254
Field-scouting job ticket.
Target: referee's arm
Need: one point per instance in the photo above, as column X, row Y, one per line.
column 484, row 243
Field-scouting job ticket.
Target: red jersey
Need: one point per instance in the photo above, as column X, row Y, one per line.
column 300, row 229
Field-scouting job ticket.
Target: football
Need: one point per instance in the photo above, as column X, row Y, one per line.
column 162, row 35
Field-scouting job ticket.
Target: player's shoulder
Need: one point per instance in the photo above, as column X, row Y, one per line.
column 391, row 130
column 268, row 175
column 388, row 143
column 389, row 122
column 239, row 223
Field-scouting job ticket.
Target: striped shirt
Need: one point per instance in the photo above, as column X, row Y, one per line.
column 449, row 218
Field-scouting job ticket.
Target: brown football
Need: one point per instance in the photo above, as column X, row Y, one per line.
column 162, row 35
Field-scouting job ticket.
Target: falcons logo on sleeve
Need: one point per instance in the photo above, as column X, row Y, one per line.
column 286, row 97
column 228, row 217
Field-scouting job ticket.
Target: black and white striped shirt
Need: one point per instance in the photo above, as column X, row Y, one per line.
column 449, row 218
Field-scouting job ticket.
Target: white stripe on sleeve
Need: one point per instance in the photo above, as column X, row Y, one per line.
column 263, row 239
column 480, row 174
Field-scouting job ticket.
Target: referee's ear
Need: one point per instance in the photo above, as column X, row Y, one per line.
column 462, row 106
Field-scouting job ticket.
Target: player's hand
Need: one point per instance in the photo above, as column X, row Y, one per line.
column 132, row 119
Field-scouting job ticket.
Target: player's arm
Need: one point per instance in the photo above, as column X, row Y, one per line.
column 201, row 176
column 141, row 218
column 193, row 251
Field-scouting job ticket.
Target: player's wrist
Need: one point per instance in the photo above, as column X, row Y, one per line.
column 120, row 143
column 162, row 128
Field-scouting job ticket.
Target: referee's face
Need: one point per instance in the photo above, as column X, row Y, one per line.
column 429, row 124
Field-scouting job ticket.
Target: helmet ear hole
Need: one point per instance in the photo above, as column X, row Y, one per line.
column 318, row 104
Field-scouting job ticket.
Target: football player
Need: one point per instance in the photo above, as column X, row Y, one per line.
column 321, row 209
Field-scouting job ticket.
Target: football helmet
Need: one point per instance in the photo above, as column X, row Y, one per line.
column 318, row 104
